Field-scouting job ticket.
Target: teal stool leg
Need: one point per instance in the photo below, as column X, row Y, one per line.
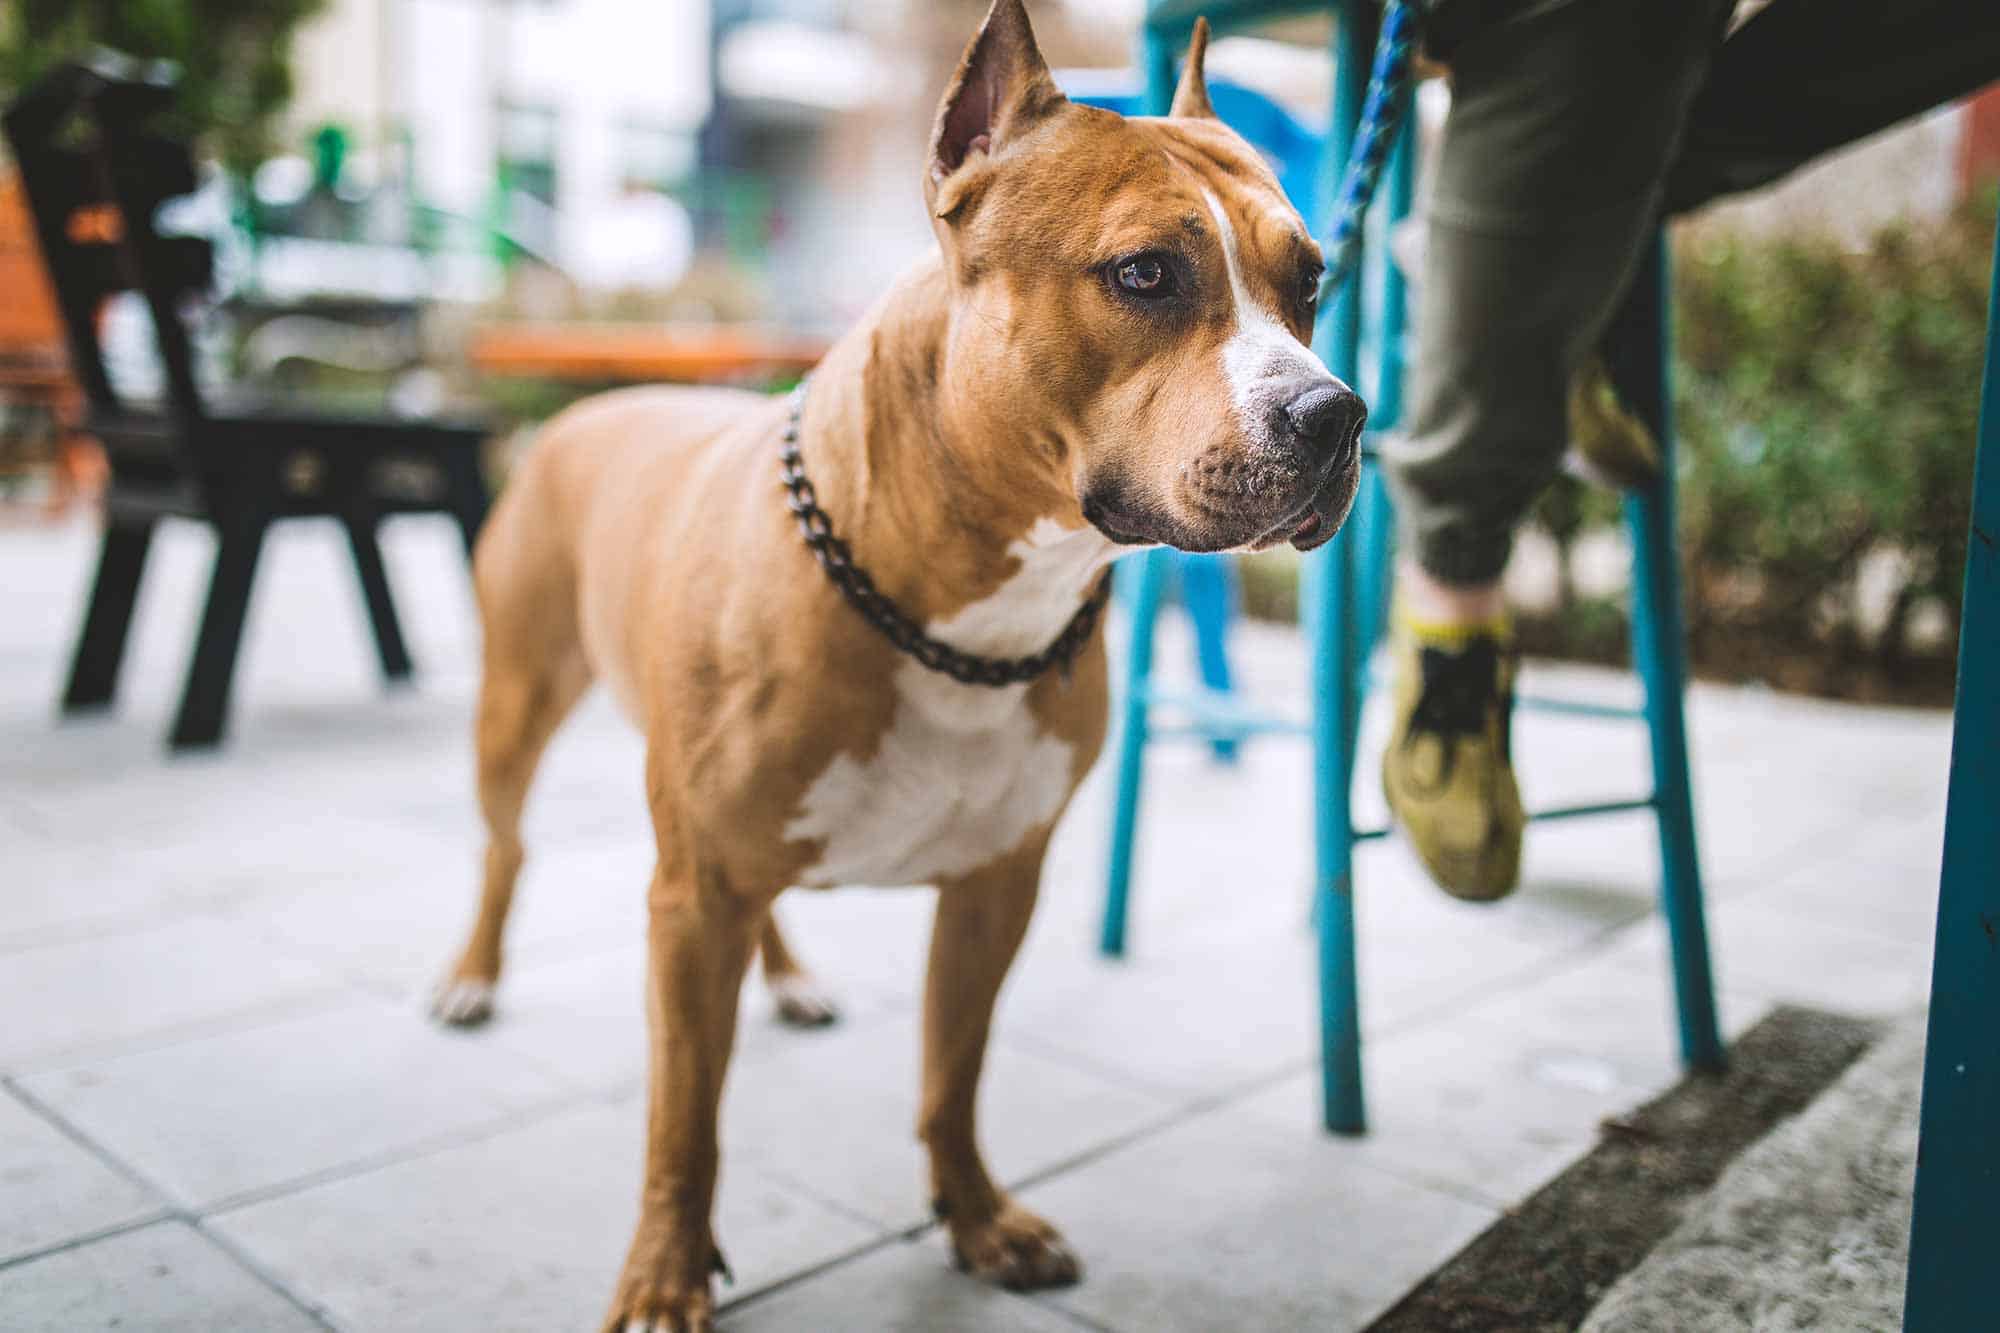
column 1208, row 589
column 1333, row 612
column 1641, row 346
column 1149, row 576
column 1334, row 630
column 1957, row 1208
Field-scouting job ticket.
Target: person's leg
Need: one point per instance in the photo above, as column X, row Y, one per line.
column 1562, row 126
column 1803, row 77
column 1561, row 129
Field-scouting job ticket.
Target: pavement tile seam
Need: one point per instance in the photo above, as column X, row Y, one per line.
column 104, row 1157
column 237, row 1255
column 1555, row 960
column 167, row 911
column 83, row 1239
column 1575, row 953
column 109, row 926
column 1175, row 1095
column 1170, row 1115
column 845, row 1257
column 401, row 990
column 574, row 1095
column 806, row 1190
column 1833, row 923
column 168, row 1211
column 183, row 1210
column 1391, row 1167
column 520, row 1117
column 912, row 1237
column 329, row 995
column 226, row 1248
column 476, row 1132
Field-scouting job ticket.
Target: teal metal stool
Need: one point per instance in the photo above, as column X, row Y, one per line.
column 1957, row 1211
column 1344, row 593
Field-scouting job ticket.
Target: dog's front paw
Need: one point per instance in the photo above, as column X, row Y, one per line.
column 661, row 1291
column 1015, row 1249
column 691, row 1314
column 644, row 1306
column 802, row 1002
column 462, row 1002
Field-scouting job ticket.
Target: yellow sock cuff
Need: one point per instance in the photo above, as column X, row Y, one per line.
column 1452, row 635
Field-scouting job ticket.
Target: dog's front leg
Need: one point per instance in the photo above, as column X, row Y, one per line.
column 700, row 938
column 980, row 921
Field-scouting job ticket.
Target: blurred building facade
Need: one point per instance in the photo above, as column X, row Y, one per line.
column 549, row 114
column 769, row 152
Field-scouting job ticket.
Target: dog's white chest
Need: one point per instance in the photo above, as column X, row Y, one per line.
column 964, row 773
column 939, row 797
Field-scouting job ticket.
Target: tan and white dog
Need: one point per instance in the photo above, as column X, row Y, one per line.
column 1107, row 348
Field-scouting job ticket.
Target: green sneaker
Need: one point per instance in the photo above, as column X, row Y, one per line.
column 1448, row 772
column 1614, row 446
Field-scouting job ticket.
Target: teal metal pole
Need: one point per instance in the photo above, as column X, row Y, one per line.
column 1148, row 573
column 1957, row 1212
column 1660, row 654
column 1329, row 592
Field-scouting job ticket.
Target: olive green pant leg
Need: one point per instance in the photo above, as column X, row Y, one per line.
column 1562, row 128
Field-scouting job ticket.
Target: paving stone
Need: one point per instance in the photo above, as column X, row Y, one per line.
column 217, row 1116
column 1220, row 1005
column 838, row 1116
column 400, row 926
column 902, row 1287
column 1471, row 1107
column 1884, row 883
column 165, row 1278
column 525, row 1230
column 584, row 1018
column 1616, row 1006
column 122, row 989
column 56, row 1189
column 1224, row 1222
column 1779, row 955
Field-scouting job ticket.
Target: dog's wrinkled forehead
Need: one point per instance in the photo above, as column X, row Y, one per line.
column 1259, row 230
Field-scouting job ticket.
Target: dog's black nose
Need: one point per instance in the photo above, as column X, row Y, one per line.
column 1327, row 418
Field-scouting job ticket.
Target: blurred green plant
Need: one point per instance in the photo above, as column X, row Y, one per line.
column 1827, row 405
column 234, row 56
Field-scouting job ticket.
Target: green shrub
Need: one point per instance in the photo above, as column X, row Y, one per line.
column 1827, row 405
column 235, row 56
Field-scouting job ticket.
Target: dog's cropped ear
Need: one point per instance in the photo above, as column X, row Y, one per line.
column 1191, row 97
column 1002, row 87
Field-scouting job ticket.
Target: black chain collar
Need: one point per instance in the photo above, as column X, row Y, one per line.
column 860, row 590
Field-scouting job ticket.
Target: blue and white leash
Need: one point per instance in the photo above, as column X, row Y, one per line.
column 1381, row 116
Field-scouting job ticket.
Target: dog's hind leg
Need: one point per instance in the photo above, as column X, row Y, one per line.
column 532, row 680
column 800, row 999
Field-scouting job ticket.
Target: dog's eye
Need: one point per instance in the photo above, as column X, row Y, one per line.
column 1309, row 293
column 1145, row 275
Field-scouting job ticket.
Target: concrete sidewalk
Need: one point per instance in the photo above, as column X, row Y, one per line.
column 221, row 1107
